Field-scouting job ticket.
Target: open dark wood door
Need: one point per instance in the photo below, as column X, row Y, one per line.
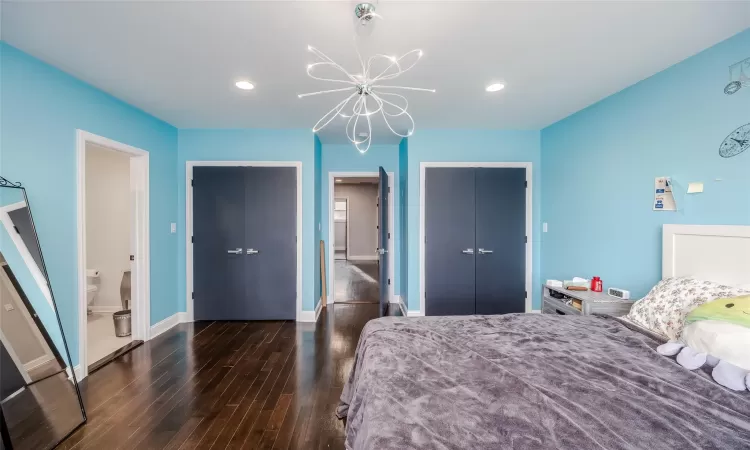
column 383, row 237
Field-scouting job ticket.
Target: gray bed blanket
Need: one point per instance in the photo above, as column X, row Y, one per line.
column 530, row 381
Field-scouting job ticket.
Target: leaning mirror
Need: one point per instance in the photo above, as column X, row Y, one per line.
column 40, row 399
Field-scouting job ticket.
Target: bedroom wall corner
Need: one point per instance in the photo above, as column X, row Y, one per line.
column 403, row 212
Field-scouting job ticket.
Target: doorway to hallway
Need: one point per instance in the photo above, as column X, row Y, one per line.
column 355, row 240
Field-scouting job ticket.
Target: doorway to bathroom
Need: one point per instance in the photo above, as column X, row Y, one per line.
column 112, row 250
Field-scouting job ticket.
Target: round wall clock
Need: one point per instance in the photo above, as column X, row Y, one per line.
column 737, row 142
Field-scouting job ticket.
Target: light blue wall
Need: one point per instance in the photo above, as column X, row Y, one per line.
column 318, row 156
column 252, row 145
column 470, row 146
column 600, row 164
column 403, row 218
column 41, row 109
column 345, row 158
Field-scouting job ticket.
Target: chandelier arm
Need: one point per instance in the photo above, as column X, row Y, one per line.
column 411, row 119
column 368, row 139
column 402, row 108
column 325, row 58
column 355, row 117
column 310, row 67
column 337, row 109
column 393, row 61
column 380, row 86
column 359, row 55
column 382, row 77
column 326, row 92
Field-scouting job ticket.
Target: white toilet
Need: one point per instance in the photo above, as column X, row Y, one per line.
column 92, row 288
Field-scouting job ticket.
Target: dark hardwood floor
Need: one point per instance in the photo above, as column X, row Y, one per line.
column 356, row 282
column 227, row 385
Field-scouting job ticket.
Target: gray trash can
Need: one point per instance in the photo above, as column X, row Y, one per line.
column 122, row 323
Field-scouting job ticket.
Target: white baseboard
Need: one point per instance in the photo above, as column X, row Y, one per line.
column 363, row 258
column 536, row 311
column 36, row 362
column 78, row 371
column 164, row 325
column 310, row 316
column 106, row 308
column 415, row 314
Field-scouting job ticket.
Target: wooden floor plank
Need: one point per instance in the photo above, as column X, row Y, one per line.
column 227, row 385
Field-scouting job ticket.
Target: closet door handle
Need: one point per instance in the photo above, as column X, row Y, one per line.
column 484, row 252
column 236, row 251
column 252, row 251
column 468, row 251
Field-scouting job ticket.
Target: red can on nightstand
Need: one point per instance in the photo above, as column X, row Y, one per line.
column 596, row 284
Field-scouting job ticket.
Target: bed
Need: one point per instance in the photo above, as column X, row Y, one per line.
column 545, row 381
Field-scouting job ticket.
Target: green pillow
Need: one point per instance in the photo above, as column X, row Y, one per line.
column 732, row 310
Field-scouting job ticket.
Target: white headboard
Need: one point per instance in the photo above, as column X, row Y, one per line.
column 719, row 253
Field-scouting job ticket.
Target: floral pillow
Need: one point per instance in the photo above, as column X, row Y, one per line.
column 664, row 309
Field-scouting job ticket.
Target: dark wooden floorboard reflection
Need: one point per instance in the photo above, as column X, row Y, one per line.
column 227, row 385
column 356, row 281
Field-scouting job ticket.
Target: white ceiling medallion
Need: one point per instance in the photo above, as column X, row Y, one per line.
column 369, row 96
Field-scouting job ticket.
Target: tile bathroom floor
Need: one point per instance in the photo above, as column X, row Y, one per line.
column 101, row 337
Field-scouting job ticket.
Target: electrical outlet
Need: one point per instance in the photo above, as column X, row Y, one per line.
column 9, row 307
column 173, row 228
column 544, row 227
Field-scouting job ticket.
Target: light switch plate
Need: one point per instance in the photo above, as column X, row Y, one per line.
column 9, row 307
column 544, row 227
column 173, row 228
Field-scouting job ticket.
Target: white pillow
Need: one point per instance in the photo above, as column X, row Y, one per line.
column 663, row 310
column 726, row 341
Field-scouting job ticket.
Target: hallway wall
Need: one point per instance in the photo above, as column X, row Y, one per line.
column 363, row 217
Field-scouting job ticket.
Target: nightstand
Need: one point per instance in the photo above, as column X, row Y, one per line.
column 591, row 303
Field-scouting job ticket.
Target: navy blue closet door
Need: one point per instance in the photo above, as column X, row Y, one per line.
column 500, row 240
column 271, row 242
column 383, row 241
column 219, row 262
column 449, row 241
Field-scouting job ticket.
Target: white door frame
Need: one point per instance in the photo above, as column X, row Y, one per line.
column 331, row 268
column 529, row 222
column 189, row 165
column 140, row 274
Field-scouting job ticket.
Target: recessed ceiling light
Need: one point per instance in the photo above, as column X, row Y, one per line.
column 339, row 180
column 495, row 87
column 245, row 85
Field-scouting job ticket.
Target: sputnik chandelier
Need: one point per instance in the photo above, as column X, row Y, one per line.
column 369, row 97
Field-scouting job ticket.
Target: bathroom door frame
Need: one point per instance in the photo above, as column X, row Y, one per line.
column 140, row 303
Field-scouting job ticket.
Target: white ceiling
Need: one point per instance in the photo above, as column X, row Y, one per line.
column 179, row 60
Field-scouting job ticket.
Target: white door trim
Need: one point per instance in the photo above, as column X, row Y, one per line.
column 189, row 165
column 529, row 221
column 140, row 275
column 331, row 268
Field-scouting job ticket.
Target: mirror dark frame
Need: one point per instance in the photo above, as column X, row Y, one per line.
column 5, row 437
